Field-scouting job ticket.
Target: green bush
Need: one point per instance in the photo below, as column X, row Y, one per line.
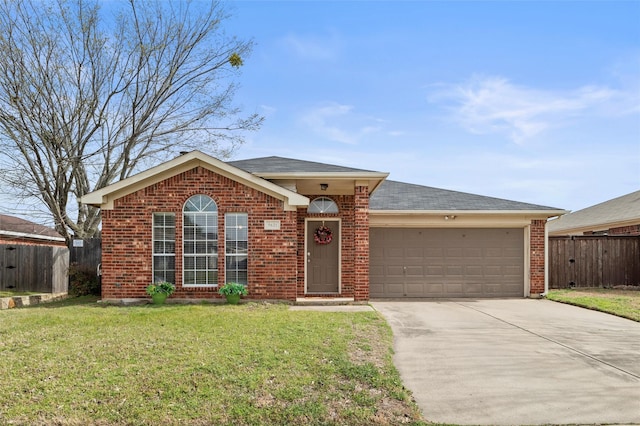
column 83, row 281
column 233, row 288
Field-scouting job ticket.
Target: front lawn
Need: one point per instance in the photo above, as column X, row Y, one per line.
column 623, row 303
column 251, row 364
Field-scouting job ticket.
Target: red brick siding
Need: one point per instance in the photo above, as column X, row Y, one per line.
column 127, row 237
column 536, row 245
column 625, row 230
column 361, row 243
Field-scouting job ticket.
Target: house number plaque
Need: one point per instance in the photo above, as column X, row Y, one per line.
column 272, row 225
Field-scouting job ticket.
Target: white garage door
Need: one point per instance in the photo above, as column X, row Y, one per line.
column 407, row 262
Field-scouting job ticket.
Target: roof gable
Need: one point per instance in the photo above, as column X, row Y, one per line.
column 399, row 196
column 104, row 197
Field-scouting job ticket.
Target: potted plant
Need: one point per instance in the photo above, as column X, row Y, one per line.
column 159, row 291
column 233, row 291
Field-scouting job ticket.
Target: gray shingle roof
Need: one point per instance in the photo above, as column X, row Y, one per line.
column 288, row 165
column 392, row 195
column 621, row 209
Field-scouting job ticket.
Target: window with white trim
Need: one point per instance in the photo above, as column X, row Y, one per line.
column 236, row 247
column 164, row 247
column 200, row 242
column 322, row 205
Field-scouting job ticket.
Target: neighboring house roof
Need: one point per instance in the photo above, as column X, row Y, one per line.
column 392, row 195
column 618, row 212
column 104, row 197
column 15, row 227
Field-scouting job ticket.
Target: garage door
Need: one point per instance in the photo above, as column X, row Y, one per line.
column 446, row 262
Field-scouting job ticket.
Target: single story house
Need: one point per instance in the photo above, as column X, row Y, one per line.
column 619, row 216
column 294, row 230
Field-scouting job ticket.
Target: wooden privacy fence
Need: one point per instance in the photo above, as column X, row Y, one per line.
column 86, row 254
column 594, row 261
column 34, row 268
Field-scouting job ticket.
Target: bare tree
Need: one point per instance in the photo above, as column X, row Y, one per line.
column 90, row 94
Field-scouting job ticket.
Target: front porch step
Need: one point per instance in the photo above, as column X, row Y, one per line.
column 324, row 301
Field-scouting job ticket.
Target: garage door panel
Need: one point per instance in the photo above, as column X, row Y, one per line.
column 414, row 272
column 473, row 289
column 394, row 252
column 435, row 271
column 394, row 271
column 433, row 290
column 433, row 252
column 454, row 252
column 453, row 289
column 455, row 270
column 474, row 271
column 447, row 262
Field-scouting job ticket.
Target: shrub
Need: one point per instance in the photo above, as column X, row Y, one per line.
column 83, row 281
column 233, row 288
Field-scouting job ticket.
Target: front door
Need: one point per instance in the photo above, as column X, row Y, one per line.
column 323, row 256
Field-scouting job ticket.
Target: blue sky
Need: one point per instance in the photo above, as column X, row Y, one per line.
column 528, row 101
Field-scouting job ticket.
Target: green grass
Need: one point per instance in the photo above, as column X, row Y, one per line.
column 617, row 302
column 6, row 293
column 253, row 364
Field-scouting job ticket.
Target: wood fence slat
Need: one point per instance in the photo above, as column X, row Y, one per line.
column 33, row 268
column 598, row 261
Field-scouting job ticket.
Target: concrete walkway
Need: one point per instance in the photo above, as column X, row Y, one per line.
column 516, row 361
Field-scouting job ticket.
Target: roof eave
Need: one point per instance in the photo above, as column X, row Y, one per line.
column 324, row 175
column 104, row 197
column 541, row 213
column 594, row 227
column 31, row 236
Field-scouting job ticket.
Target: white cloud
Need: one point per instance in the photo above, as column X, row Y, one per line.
column 494, row 105
column 340, row 123
column 268, row 110
column 323, row 47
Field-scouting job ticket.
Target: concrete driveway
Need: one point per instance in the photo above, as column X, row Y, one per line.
column 516, row 361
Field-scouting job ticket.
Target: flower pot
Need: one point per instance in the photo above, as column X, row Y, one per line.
column 159, row 298
column 233, row 299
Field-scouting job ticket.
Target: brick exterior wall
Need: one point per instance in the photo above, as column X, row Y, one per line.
column 536, row 255
column 361, row 248
column 127, row 237
column 625, row 230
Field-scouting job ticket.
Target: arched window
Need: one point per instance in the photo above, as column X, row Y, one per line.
column 322, row 205
column 200, row 242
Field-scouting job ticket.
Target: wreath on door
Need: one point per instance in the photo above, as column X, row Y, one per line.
column 322, row 235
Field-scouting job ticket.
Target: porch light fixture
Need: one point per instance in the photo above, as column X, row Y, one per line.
column 451, row 217
column 324, row 186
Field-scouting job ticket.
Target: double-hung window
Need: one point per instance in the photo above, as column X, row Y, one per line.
column 200, row 242
column 236, row 247
column 164, row 247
